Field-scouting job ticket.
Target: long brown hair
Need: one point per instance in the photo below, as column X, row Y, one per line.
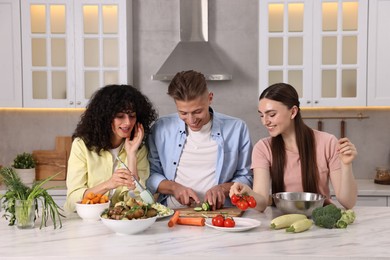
column 287, row 95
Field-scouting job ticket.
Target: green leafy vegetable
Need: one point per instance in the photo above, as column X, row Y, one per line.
column 16, row 190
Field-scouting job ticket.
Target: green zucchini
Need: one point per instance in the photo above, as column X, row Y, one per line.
column 300, row 226
column 285, row 221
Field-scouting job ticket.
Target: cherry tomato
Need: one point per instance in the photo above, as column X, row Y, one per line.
column 234, row 199
column 245, row 196
column 229, row 222
column 242, row 204
column 218, row 221
column 252, row 202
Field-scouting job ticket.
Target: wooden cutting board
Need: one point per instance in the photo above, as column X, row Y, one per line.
column 50, row 162
column 190, row 212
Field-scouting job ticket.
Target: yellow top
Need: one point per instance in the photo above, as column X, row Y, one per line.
column 87, row 169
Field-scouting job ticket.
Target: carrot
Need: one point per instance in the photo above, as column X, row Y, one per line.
column 92, row 198
column 85, row 201
column 174, row 219
column 96, row 200
column 191, row 221
column 105, row 198
column 90, row 195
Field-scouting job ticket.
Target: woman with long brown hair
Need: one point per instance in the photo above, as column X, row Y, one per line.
column 295, row 157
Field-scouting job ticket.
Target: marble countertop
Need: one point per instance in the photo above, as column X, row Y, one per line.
column 367, row 238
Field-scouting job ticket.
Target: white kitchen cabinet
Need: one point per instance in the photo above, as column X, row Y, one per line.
column 378, row 87
column 70, row 49
column 319, row 47
column 10, row 54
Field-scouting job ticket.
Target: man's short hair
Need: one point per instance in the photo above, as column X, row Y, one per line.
column 187, row 85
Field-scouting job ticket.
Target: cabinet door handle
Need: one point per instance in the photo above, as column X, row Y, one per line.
column 71, row 103
column 308, row 102
column 315, row 101
column 78, row 102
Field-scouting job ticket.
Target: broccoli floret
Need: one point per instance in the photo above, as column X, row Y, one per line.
column 347, row 217
column 341, row 224
column 327, row 216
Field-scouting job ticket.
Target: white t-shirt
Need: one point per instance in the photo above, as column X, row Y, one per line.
column 196, row 168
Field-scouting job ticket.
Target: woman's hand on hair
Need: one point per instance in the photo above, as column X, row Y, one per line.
column 347, row 150
column 132, row 146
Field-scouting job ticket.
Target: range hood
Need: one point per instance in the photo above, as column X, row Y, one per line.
column 193, row 52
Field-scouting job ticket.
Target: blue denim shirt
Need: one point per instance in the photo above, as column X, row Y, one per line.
column 167, row 139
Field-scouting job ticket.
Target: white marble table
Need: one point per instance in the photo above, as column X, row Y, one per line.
column 367, row 238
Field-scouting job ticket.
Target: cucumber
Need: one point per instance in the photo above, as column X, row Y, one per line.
column 205, row 206
column 300, row 226
column 198, row 209
column 285, row 221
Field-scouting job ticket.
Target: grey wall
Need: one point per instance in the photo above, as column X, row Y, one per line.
column 233, row 31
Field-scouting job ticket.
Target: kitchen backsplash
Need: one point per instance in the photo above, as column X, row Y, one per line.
column 25, row 131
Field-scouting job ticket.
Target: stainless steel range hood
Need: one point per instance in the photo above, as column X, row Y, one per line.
column 193, row 52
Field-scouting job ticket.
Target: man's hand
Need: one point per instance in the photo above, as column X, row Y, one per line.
column 185, row 195
column 216, row 195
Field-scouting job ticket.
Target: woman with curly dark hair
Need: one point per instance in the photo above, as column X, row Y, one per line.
column 115, row 123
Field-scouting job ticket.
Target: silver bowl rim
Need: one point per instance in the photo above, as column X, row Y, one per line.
column 320, row 196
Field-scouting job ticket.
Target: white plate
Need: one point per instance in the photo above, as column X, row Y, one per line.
column 242, row 224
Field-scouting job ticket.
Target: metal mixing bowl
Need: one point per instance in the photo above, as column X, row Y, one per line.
column 298, row 202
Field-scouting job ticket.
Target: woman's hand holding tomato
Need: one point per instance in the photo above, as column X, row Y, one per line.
column 243, row 202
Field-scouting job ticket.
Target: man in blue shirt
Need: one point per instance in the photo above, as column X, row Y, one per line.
column 196, row 154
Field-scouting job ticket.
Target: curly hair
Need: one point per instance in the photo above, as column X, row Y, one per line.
column 94, row 127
